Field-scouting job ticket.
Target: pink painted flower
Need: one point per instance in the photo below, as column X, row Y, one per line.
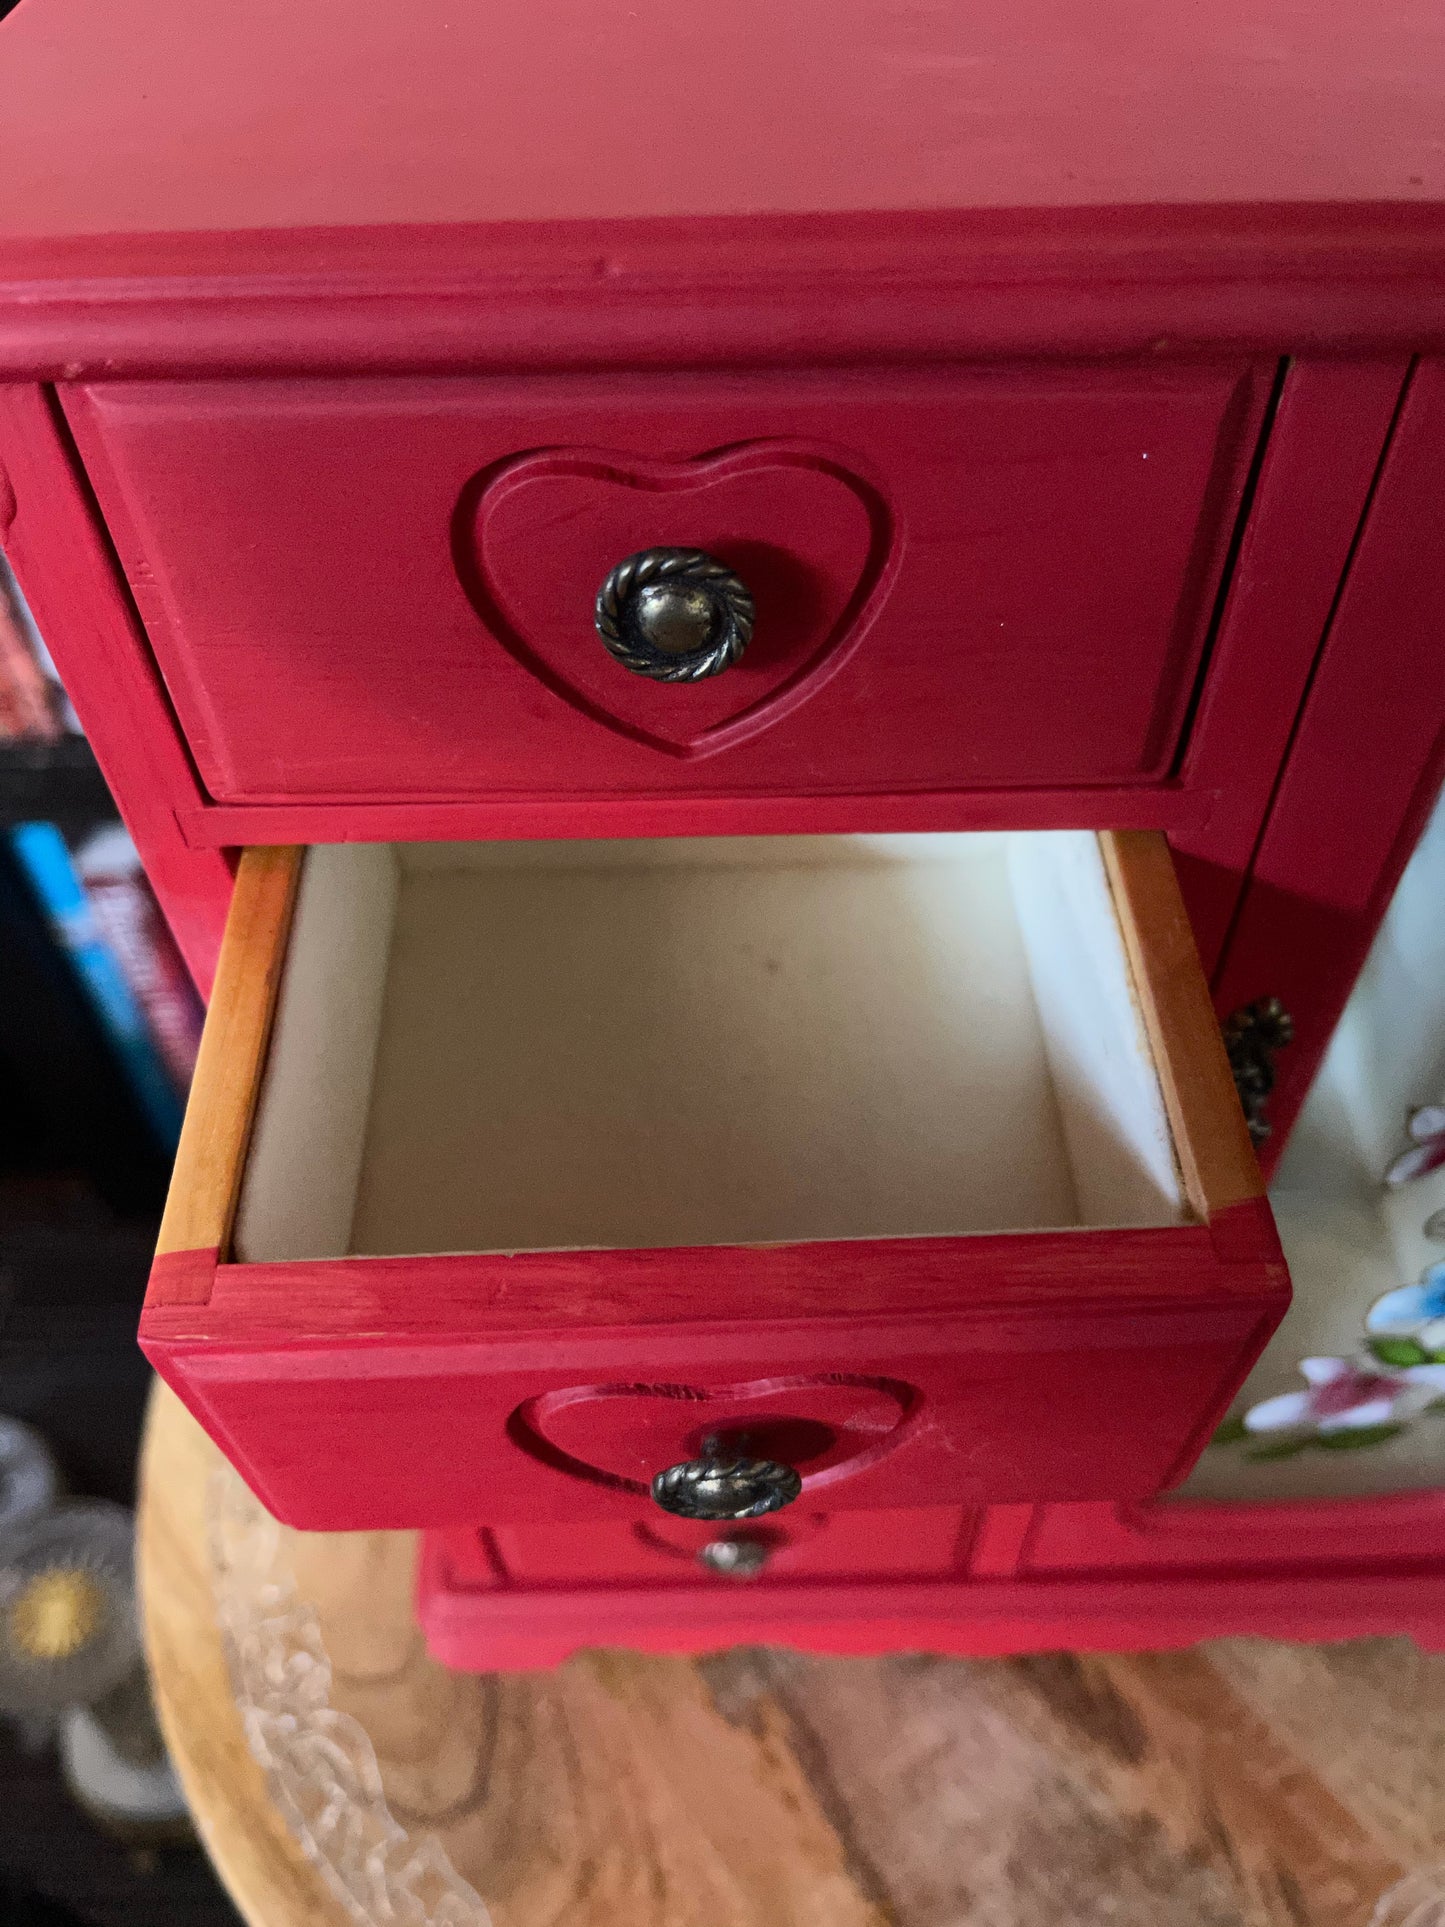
column 1344, row 1395
column 1427, row 1146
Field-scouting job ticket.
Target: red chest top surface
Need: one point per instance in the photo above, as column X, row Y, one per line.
column 279, row 116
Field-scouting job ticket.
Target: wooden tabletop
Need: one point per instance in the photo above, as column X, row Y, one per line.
column 1242, row 1784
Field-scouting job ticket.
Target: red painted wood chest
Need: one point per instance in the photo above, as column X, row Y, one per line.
column 728, row 651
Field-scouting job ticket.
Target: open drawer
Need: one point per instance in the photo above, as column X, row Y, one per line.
column 515, row 1174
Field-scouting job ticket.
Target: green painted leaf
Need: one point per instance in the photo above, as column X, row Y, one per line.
column 1230, row 1432
column 1398, row 1351
column 1281, row 1449
column 1356, row 1437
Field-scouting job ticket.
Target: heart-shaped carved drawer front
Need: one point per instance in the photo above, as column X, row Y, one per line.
column 621, row 1435
column 812, row 541
column 965, row 579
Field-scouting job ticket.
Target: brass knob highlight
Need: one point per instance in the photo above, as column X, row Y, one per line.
column 739, row 1558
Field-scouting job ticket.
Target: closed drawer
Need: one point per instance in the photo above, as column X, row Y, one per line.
column 384, row 589
column 908, row 1165
column 850, row 1582
column 908, row 1542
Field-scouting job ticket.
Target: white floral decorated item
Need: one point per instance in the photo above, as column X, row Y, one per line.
column 1359, row 1198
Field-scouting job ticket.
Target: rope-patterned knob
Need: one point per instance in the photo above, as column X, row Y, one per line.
column 717, row 1486
column 676, row 615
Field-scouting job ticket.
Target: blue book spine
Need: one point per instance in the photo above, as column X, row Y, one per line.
column 42, row 854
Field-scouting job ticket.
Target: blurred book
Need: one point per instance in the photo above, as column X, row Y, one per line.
column 31, row 706
column 34, row 707
column 45, row 861
column 131, row 922
column 69, row 1116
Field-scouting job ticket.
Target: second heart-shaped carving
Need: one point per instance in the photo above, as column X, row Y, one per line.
column 825, row 1427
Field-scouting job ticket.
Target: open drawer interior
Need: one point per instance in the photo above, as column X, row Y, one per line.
column 513, row 1174
column 504, row 1047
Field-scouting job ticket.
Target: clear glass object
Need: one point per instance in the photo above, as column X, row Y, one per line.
column 320, row 1764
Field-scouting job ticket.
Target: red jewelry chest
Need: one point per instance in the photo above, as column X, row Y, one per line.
column 641, row 1073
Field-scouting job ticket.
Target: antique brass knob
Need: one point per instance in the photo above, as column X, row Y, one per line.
column 1253, row 1035
column 676, row 615
column 724, row 1485
column 739, row 1558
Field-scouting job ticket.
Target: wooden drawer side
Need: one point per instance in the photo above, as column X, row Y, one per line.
column 195, row 1231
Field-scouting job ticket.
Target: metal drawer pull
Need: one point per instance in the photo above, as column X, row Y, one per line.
column 676, row 615
column 1252, row 1036
column 734, row 1558
column 723, row 1485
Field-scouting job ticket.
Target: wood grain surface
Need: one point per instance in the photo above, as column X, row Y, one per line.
column 1242, row 1784
column 1216, row 1158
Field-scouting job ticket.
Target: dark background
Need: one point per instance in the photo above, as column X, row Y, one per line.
column 81, row 1185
